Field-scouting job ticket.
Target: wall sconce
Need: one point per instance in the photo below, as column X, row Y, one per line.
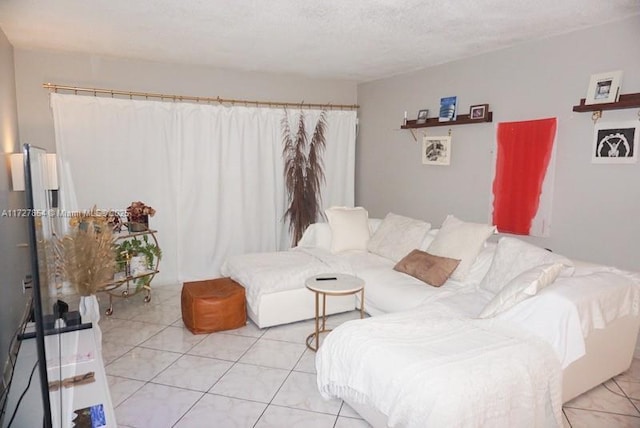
column 17, row 172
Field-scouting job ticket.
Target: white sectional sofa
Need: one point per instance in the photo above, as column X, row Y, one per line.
column 576, row 313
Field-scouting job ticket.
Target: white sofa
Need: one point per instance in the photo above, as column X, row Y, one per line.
column 594, row 300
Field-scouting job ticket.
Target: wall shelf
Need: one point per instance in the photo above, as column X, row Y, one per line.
column 625, row 101
column 461, row 119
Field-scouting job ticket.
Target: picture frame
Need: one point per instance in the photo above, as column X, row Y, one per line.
column 448, row 109
column 604, row 88
column 616, row 142
column 436, row 150
column 478, row 111
column 422, row 116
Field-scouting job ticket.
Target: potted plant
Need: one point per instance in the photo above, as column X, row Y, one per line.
column 137, row 247
column 138, row 216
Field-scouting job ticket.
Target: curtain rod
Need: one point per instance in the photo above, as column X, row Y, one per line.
column 147, row 95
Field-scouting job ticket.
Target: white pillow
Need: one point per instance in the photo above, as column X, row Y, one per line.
column 520, row 288
column 481, row 266
column 462, row 241
column 397, row 236
column 428, row 239
column 514, row 256
column 317, row 235
column 349, row 228
column 374, row 224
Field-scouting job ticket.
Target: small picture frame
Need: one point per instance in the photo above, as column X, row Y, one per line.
column 478, row 111
column 436, row 150
column 604, row 88
column 616, row 142
column 448, row 109
column 422, row 116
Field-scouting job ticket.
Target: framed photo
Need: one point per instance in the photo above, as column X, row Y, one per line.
column 616, row 142
column 422, row 117
column 604, row 88
column 478, row 111
column 436, row 150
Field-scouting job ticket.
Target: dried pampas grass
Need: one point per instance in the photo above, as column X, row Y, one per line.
column 87, row 258
column 303, row 173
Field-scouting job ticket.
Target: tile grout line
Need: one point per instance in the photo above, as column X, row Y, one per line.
column 234, row 363
column 627, row 395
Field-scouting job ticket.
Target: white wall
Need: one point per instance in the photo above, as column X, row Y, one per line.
column 14, row 259
column 595, row 207
column 34, row 67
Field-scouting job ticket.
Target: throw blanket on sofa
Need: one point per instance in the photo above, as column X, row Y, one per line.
column 264, row 273
column 430, row 368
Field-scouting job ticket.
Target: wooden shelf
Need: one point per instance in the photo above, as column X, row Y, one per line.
column 626, row 101
column 462, row 119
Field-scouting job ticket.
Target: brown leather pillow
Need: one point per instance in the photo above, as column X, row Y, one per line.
column 434, row 270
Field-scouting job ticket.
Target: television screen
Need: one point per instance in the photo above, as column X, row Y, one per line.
column 40, row 225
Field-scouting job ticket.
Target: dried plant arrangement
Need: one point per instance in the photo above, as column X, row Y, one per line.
column 87, row 258
column 303, row 173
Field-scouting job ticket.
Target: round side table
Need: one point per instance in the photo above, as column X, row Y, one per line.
column 331, row 284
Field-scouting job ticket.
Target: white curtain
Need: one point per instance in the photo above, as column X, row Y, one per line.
column 214, row 174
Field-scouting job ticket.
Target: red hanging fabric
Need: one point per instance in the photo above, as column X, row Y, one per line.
column 524, row 151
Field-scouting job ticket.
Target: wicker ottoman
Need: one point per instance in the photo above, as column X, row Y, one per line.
column 213, row 305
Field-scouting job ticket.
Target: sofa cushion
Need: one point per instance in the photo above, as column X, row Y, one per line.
column 513, row 257
column 433, row 270
column 397, row 236
column 349, row 228
column 462, row 241
column 520, row 288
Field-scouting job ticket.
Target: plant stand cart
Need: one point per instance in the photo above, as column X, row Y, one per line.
column 133, row 282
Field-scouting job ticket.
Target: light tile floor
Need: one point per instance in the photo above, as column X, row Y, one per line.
column 161, row 375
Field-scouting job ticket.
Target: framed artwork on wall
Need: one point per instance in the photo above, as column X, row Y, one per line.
column 436, row 150
column 604, row 88
column 616, row 142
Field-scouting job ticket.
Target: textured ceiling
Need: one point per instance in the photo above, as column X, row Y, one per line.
column 344, row 39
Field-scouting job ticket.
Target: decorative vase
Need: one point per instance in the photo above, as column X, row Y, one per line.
column 138, row 265
column 138, row 224
column 90, row 312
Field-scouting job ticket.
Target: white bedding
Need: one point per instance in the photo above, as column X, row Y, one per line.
column 432, row 368
column 263, row 273
column 565, row 313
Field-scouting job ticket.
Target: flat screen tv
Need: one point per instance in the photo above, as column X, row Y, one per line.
column 51, row 317
column 40, row 234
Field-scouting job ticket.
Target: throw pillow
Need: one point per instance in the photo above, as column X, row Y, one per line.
column 349, row 228
column 316, row 235
column 426, row 267
column 462, row 241
column 428, row 239
column 396, row 236
column 523, row 286
column 514, row 256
